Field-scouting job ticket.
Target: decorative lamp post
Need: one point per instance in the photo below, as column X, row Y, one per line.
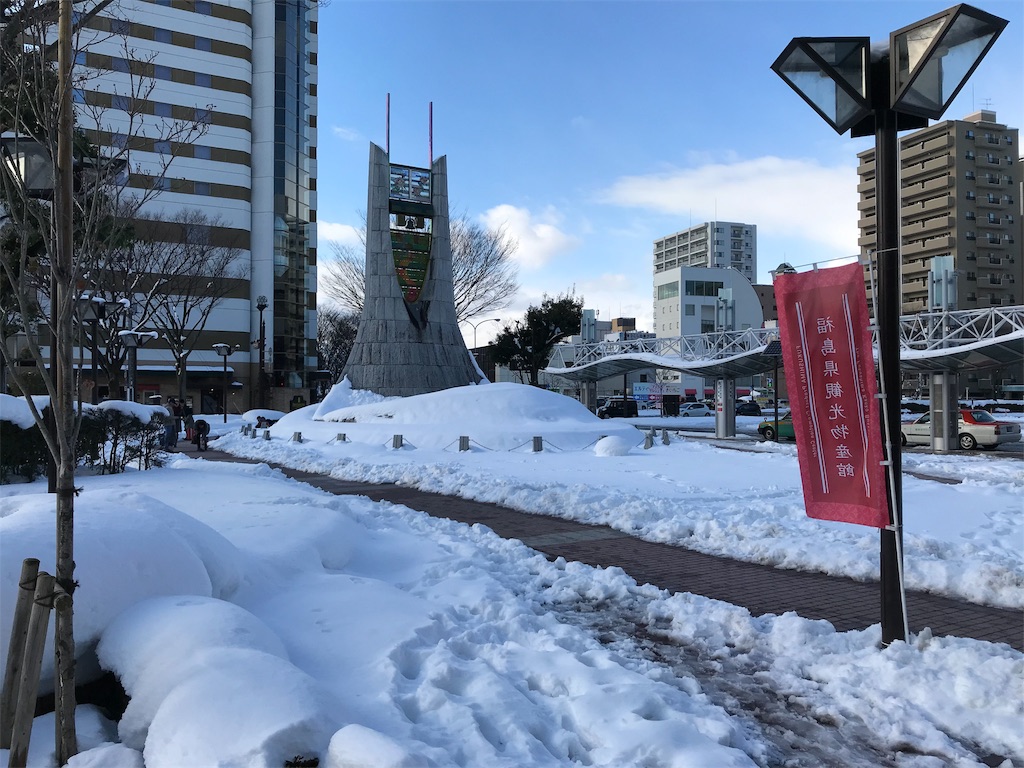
column 480, row 322
column 92, row 309
column 224, row 350
column 132, row 340
column 878, row 92
column 261, row 305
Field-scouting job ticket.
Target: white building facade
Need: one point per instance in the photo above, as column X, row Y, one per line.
column 726, row 244
column 686, row 303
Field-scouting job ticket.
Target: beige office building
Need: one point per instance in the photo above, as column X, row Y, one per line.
column 960, row 187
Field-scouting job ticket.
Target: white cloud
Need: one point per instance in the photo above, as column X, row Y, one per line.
column 619, row 295
column 539, row 237
column 344, row 234
column 345, row 134
column 783, row 197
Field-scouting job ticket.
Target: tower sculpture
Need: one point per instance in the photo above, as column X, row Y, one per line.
column 408, row 341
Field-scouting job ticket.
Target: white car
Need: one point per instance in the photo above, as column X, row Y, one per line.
column 695, row 409
column 976, row 428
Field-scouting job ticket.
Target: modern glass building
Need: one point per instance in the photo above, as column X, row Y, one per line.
column 247, row 73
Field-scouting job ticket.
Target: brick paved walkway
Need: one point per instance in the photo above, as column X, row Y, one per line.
column 846, row 603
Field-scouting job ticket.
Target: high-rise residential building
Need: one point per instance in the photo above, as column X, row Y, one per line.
column 247, row 72
column 960, row 190
column 711, row 244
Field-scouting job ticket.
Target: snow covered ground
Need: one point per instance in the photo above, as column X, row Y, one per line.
column 253, row 619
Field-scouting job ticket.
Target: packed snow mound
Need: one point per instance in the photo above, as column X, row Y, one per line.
column 343, row 396
column 506, row 402
column 613, row 445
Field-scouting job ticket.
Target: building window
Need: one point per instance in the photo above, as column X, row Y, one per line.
column 993, row 218
column 312, row 58
column 162, row 35
column 668, row 290
column 161, row 109
column 970, row 216
column 162, row 147
column 203, row 7
column 970, row 194
column 124, row 103
column 703, row 287
column 200, row 152
column 202, row 188
column 968, row 134
column 204, row 80
column 970, row 235
column 690, row 310
column 119, row 140
column 161, row 72
column 120, row 27
column 969, row 155
column 78, row 96
column 203, row 44
column 203, row 116
column 162, row 183
column 969, row 175
column 119, row 65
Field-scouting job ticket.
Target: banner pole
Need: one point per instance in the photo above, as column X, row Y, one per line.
column 896, row 522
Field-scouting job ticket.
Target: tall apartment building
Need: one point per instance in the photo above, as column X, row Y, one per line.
column 248, row 71
column 711, row 244
column 960, row 189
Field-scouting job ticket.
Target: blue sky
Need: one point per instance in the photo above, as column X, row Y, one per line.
column 589, row 129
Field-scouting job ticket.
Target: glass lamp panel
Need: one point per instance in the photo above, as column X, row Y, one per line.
column 848, row 58
column 934, row 60
column 830, row 75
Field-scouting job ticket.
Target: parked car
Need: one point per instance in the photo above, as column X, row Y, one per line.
column 769, row 428
column 618, row 408
column 748, row 408
column 695, row 409
column 976, row 428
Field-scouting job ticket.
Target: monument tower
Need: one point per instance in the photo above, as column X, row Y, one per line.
column 408, row 340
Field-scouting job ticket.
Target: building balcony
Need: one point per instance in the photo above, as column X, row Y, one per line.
column 933, row 245
column 930, row 188
column 916, row 229
column 987, row 200
column 998, row 225
column 933, row 167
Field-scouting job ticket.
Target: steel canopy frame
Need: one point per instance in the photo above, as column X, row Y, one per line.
column 929, row 341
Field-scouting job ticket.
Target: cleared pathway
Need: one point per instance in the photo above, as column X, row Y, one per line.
column 761, row 589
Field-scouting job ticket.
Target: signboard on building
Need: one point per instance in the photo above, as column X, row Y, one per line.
column 826, row 349
column 652, row 391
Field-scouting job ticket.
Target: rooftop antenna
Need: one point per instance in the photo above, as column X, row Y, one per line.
column 387, row 125
column 430, row 132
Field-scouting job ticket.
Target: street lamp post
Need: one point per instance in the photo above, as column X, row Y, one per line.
column 480, row 322
column 92, row 309
column 879, row 92
column 132, row 340
column 224, row 350
column 261, row 305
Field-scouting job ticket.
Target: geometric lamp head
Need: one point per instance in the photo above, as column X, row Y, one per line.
column 831, row 74
column 932, row 59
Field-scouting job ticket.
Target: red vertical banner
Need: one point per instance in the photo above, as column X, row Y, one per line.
column 830, row 376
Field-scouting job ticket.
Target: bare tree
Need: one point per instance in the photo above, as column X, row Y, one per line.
column 36, row 106
column 335, row 335
column 484, row 275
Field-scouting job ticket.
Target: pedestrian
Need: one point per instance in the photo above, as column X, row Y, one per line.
column 190, row 424
column 170, row 428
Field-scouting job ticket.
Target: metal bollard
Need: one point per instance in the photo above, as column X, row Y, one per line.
column 296, row 437
column 664, row 437
column 266, row 434
column 341, row 437
column 254, row 434
column 648, row 440
column 538, row 444
column 245, row 429
column 396, row 441
column 463, row 442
